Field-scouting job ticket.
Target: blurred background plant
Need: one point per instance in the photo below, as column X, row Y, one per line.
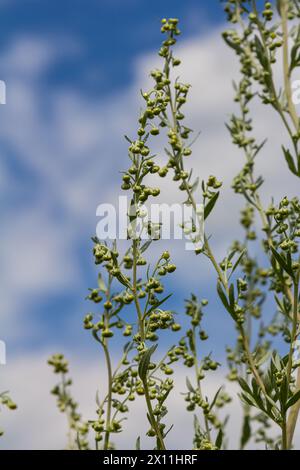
column 257, row 287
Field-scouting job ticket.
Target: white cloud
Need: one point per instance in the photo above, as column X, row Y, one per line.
column 28, row 57
column 30, row 380
column 37, row 424
column 35, row 263
column 75, row 150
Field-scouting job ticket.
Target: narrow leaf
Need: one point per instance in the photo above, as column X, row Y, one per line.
column 293, row 400
column 246, row 432
column 145, row 361
column 282, row 262
column 210, row 205
column 290, row 161
column 219, row 440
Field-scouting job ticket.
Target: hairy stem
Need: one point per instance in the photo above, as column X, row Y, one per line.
column 109, row 395
column 293, row 416
column 154, row 423
column 277, row 104
column 197, row 372
column 295, row 410
column 284, row 441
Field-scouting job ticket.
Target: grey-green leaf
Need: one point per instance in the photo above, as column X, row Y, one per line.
column 145, row 361
column 210, row 205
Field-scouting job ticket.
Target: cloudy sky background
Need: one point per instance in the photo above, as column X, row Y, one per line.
column 73, row 72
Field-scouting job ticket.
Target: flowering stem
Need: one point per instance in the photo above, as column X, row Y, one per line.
column 153, row 422
column 295, row 410
column 198, row 379
column 277, row 103
column 293, row 416
column 134, row 290
column 109, row 394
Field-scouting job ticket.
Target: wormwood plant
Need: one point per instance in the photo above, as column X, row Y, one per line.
column 77, row 430
column 257, row 42
column 130, row 299
column 130, row 288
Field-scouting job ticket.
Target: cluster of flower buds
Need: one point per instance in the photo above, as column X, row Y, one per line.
column 124, row 385
column 257, row 44
column 172, row 118
column 95, row 296
column 108, row 256
column 238, row 128
column 194, row 398
column 247, row 221
column 287, row 219
column 159, row 392
column 5, row 400
column 193, row 309
column 59, row 364
column 88, row 324
column 78, row 429
column 206, row 444
column 170, row 28
column 247, row 44
column 160, row 320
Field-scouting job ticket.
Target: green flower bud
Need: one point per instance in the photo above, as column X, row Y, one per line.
column 176, row 327
column 176, row 62
column 203, row 335
column 154, row 131
column 155, row 192
column 187, row 152
column 171, row 268
column 107, row 333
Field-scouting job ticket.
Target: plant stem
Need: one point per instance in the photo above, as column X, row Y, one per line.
column 294, row 329
column 191, row 197
column 197, row 371
column 284, row 435
column 225, row 285
column 215, row 264
column 295, row 410
column 68, row 414
column 293, row 416
column 272, row 84
column 109, row 395
column 104, row 344
column 252, row 363
column 154, row 423
column 134, row 291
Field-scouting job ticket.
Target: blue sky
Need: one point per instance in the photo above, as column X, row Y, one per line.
column 112, row 33
column 92, row 47
column 73, row 71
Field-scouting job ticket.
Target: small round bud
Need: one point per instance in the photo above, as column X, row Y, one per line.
column 171, row 268
column 176, row 327
column 165, row 255
column 107, row 333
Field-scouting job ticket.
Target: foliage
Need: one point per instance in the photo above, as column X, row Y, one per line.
column 267, row 373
